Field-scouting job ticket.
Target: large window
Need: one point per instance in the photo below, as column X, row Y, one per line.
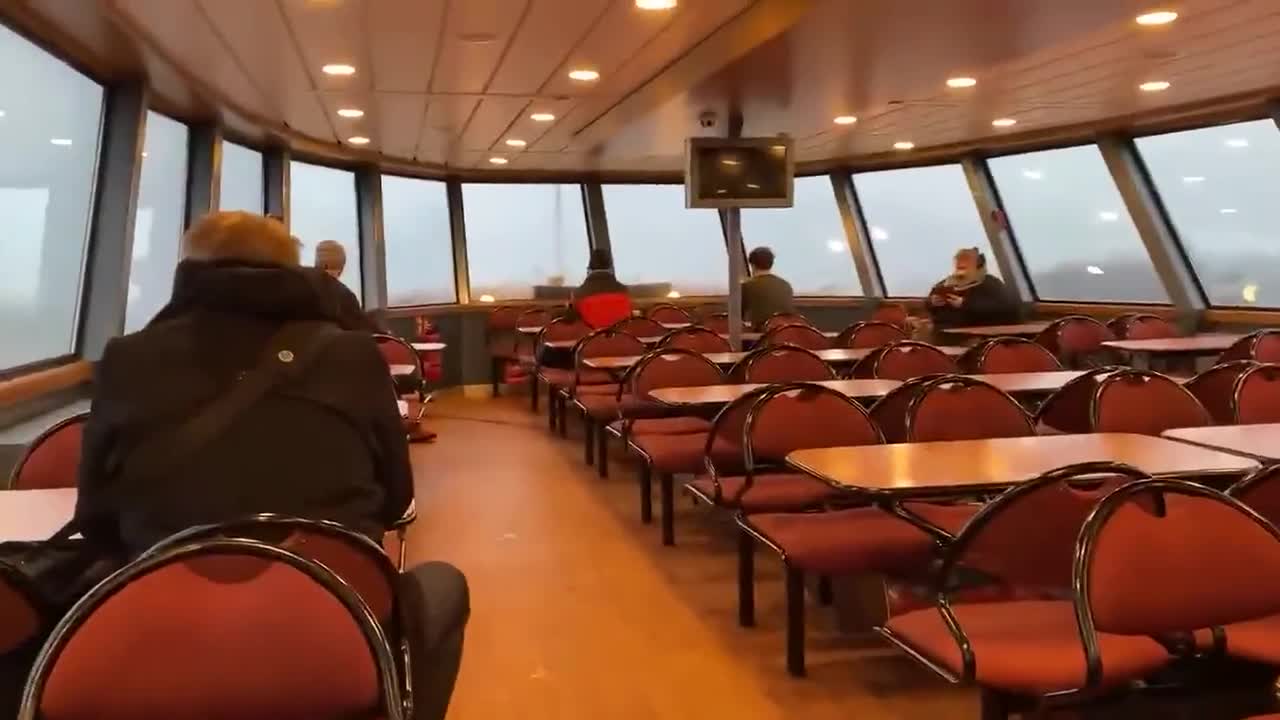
column 1073, row 229
column 322, row 206
column 523, row 236
column 242, row 187
column 49, row 132
column 415, row 227
column 1218, row 186
column 917, row 219
column 657, row 240
column 808, row 240
column 157, row 226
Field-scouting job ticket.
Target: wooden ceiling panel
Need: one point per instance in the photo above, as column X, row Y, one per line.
column 477, row 34
column 447, row 116
column 328, row 33
column 532, row 132
column 549, row 34
column 619, row 35
column 490, row 121
column 397, row 122
column 258, row 38
column 406, row 36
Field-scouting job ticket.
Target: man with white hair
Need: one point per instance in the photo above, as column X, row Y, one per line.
column 331, row 259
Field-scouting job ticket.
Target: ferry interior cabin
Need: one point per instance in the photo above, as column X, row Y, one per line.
column 639, row 359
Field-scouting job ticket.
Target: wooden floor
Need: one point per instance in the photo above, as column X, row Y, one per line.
column 579, row 612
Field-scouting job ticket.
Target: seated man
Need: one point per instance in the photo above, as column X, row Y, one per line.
column 600, row 300
column 969, row 296
column 764, row 294
column 331, row 259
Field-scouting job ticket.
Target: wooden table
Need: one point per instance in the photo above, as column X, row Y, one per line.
column 835, row 356
column 1029, row 329
column 1202, row 344
column 404, row 369
column 429, row 346
column 724, row 394
column 676, row 325
column 1255, row 441
column 1030, row 382
column 34, row 514
column 972, row 466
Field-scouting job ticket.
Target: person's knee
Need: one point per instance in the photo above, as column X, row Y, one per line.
column 443, row 588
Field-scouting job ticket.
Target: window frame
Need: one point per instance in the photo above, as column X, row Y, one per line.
column 382, row 226
column 324, row 162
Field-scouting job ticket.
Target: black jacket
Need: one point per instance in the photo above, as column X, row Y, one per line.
column 329, row 445
column 764, row 296
column 346, row 306
column 987, row 303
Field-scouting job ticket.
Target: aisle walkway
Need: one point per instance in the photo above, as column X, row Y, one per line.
column 580, row 614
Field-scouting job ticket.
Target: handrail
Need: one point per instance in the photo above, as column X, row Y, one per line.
column 43, row 382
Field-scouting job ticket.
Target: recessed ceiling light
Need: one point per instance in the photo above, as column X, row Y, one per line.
column 516, row 142
column 338, row 69
column 1192, row 179
column 1157, row 17
column 845, row 120
column 961, row 82
column 753, row 186
column 656, row 4
column 499, row 160
column 1033, row 174
column 358, row 140
column 1108, row 216
column 1004, row 122
column 1094, row 270
column 350, row 112
column 542, row 117
column 1232, row 143
column 584, row 75
column 903, row 145
column 1154, row 86
column 60, row 141
column 1228, row 211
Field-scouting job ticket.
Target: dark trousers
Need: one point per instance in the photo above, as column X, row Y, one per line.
column 434, row 607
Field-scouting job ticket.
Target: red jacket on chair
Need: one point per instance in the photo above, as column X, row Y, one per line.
column 601, row 301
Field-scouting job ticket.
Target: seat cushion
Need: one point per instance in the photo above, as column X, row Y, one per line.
column 946, row 517
column 673, row 454
column 779, row 492
column 604, row 407
column 1028, row 647
column 556, row 377
column 592, row 376
column 1255, row 640
column 857, row 540
column 604, row 389
column 671, row 426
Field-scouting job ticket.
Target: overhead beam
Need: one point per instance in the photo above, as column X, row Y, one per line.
column 995, row 222
column 855, row 232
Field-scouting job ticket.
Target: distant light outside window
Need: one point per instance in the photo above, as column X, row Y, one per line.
column 1068, row 217
column 656, row 240
column 522, row 236
column 157, row 227
column 917, row 219
column 808, row 241
column 49, row 144
column 415, row 228
column 242, row 187
column 1229, row 222
column 322, row 206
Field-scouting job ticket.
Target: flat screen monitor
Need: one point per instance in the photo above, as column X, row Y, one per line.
column 739, row 172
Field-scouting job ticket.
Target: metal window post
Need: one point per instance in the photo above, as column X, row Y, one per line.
column 204, row 173
column 995, row 222
column 373, row 248
column 275, row 181
column 458, row 229
column 855, row 232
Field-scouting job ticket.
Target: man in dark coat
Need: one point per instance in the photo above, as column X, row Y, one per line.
column 970, row 296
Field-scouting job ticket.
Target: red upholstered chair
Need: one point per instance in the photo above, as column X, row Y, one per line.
column 716, row 322
column 1144, row 402
column 1215, row 389
column 781, row 364
column 555, row 378
column 779, row 319
column 506, row 352
column 608, row 342
column 1256, row 396
column 890, row 412
column 805, row 336
column 1026, row 645
column 958, row 407
column 869, row 335
column 641, row 327
column 522, row 368
column 21, row 609
column 1014, row 355
column 410, row 387
column 669, row 314
column 1256, row 640
column 697, row 339
column 908, row 359
column 891, row 313
column 1068, row 409
column 52, row 460
column 256, row 632
column 1076, row 340
column 1149, row 327
column 1261, row 492
column 865, row 368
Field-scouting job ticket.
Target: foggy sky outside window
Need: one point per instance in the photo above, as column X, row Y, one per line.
column 1218, row 186
column 808, row 240
column 415, row 228
column 917, row 219
column 1070, row 222
column 49, row 145
column 322, row 206
column 158, row 224
column 656, row 239
column 242, row 187
column 519, row 236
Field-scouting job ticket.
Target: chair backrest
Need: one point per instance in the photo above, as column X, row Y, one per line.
column 1261, row 345
column 52, row 460
column 668, row 313
column 865, row 368
column 1149, row 327
column 1012, row 354
column 21, row 609
column 534, row 317
column 1215, row 389
column 958, row 407
column 783, row 364
column 1144, row 402
column 697, row 339
column 360, row 562
column 724, row 453
column 716, row 322
column 670, row 367
column 1164, row 556
column 1069, row 408
column 891, row 313
column 1256, row 395
column 397, row 351
column 504, row 318
column 236, row 629
column 907, row 359
column 562, row 329
column 802, row 415
column 641, row 327
column 1260, row 490
column 606, row 342
column 890, row 412
column 1074, row 335
column 871, row 334
column 805, row 336
column 779, row 319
